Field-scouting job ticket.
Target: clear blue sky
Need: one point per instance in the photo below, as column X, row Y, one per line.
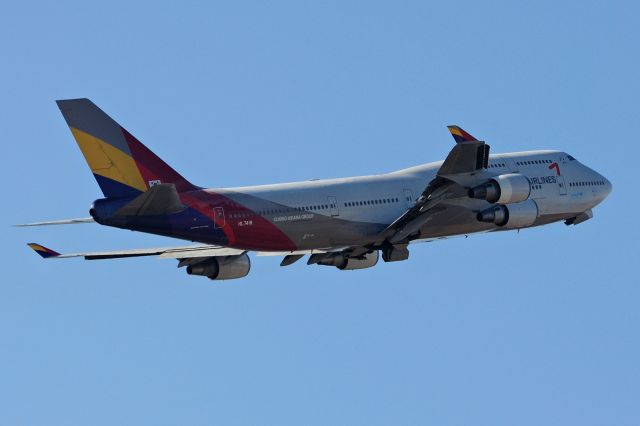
column 539, row 327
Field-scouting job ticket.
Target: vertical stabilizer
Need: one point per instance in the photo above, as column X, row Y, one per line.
column 121, row 164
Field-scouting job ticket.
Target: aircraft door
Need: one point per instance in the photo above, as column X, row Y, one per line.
column 408, row 198
column 562, row 188
column 333, row 206
column 218, row 214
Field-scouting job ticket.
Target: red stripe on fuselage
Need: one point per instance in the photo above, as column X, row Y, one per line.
column 251, row 233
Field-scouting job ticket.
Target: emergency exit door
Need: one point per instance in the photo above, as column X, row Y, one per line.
column 333, row 206
column 218, row 214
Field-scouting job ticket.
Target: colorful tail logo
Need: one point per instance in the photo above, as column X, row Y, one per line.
column 120, row 163
column 460, row 135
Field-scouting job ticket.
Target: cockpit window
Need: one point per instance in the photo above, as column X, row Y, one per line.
column 570, row 158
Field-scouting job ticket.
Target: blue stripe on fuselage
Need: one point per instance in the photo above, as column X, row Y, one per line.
column 187, row 224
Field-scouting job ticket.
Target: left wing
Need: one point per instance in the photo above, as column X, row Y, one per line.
column 187, row 255
column 162, row 252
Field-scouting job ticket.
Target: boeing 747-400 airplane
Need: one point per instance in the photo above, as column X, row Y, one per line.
column 344, row 222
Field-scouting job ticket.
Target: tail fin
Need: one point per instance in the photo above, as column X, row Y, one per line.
column 120, row 163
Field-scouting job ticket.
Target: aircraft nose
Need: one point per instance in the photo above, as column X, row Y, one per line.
column 608, row 187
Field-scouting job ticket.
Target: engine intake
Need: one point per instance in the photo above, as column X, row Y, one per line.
column 516, row 215
column 503, row 189
column 222, row 268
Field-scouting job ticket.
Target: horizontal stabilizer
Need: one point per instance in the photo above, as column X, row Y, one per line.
column 160, row 199
column 59, row 222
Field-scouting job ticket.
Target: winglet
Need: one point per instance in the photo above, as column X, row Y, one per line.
column 460, row 135
column 43, row 251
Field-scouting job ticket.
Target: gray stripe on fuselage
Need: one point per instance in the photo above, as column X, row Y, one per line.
column 306, row 228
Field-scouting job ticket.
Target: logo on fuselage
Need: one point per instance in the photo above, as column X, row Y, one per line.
column 540, row 180
column 555, row 166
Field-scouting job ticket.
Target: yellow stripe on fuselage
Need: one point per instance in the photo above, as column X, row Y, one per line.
column 108, row 161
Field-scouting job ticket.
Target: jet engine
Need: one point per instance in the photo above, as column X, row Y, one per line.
column 222, row 268
column 503, row 189
column 517, row 215
column 349, row 263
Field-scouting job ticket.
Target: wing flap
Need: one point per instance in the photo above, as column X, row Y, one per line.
column 297, row 252
column 200, row 251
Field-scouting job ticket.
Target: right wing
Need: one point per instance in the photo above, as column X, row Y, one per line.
column 468, row 157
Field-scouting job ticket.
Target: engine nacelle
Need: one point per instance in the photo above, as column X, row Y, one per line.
column 222, row 268
column 517, row 215
column 503, row 189
column 395, row 253
column 346, row 264
column 370, row 260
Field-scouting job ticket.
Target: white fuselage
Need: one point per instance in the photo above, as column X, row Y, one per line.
column 323, row 213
